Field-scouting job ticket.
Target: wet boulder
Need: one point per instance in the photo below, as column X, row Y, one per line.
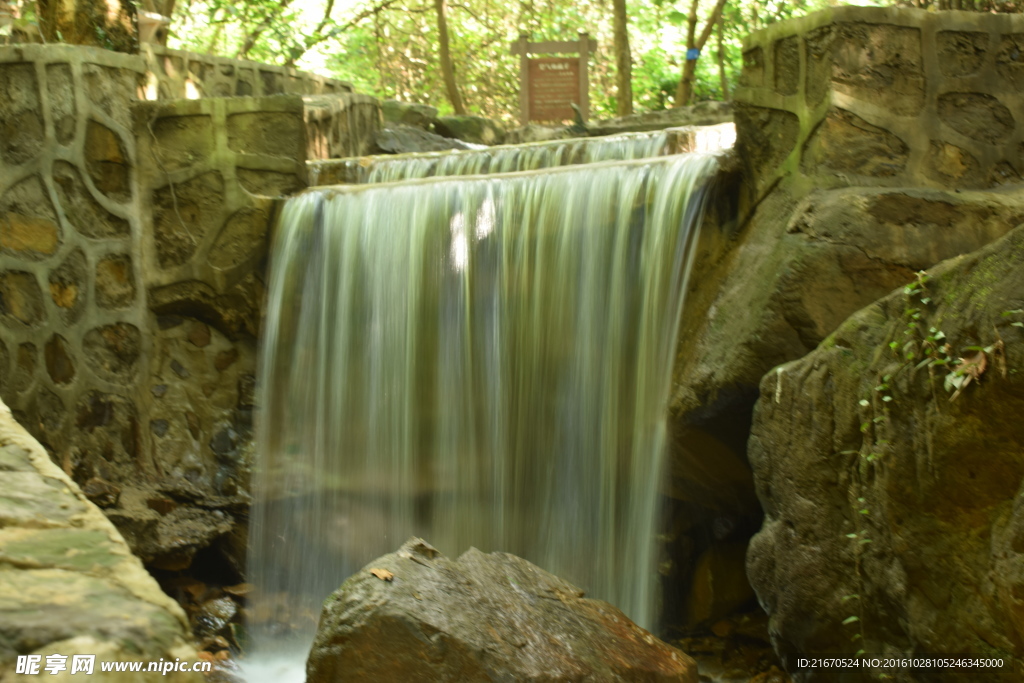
column 398, row 139
column 474, row 129
column 408, row 114
column 415, row 615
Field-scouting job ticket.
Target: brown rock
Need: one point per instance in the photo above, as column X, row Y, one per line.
column 113, row 350
column 234, row 313
column 58, row 360
column 21, row 299
column 242, row 240
column 64, row 295
column 101, row 492
column 199, row 334
column 68, row 287
column 184, row 214
column 225, row 359
column 976, row 115
column 213, row 616
column 479, row 618
column 28, row 233
column 280, row 134
column 115, row 283
column 847, row 143
column 80, row 208
column 720, row 583
column 21, row 120
column 107, row 161
column 851, row 444
column 784, row 286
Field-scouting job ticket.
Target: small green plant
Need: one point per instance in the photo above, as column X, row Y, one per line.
column 1017, row 312
column 860, row 539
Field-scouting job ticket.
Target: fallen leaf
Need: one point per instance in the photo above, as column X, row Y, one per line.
column 382, row 574
column 970, row 368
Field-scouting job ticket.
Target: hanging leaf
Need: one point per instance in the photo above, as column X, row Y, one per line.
column 970, row 369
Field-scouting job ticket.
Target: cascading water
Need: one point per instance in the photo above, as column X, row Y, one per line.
column 480, row 361
column 502, row 159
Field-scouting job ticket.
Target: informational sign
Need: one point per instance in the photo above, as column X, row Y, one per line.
column 549, row 85
column 554, row 83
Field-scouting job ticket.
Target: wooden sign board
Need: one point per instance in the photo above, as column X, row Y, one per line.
column 554, row 83
column 548, row 85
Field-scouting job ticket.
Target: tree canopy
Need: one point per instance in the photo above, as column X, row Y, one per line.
column 455, row 54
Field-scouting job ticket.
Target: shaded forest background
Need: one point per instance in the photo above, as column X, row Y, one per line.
column 455, row 54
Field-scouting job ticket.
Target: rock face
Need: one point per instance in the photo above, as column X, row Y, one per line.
column 405, row 139
column 68, row 582
column 700, row 114
column 859, row 131
column 877, row 483
column 770, row 294
column 408, row 114
column 474, row 129
column 415, row 615
column 535, row 132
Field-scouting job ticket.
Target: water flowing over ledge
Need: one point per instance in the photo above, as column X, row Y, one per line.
column 479, row 361
column 525, row 157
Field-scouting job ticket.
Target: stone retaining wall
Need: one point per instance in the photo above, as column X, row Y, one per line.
column 176, row 74
column 884, row 96
column 133, row 238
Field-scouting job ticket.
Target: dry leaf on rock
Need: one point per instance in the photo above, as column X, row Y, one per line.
column 382, row 574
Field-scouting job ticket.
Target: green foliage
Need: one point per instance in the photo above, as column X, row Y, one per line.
column 388, row 48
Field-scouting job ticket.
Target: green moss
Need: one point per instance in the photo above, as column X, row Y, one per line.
column 65, row 548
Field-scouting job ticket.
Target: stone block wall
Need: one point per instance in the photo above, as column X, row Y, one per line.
column 209, row 170
column 884, row 96
column 71, row 309
column 341, row 126
column 176, row 74
column 133, row 238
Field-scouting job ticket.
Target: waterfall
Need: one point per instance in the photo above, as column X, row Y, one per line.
column 481, row 361
column 501, row 159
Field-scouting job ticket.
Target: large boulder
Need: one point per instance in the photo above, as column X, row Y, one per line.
column 473, row 129
column 415, row 615
column 69, row 585
column 396, row 139
column 535, row 132
column 891, row 476
column 700, row 114
column 408, row 114
column 768, row 294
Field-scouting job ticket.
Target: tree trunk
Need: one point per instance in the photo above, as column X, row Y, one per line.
column 623, row 60
column 447, row 70
column 685, row 89
column 721, row 59
column 100, row 23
